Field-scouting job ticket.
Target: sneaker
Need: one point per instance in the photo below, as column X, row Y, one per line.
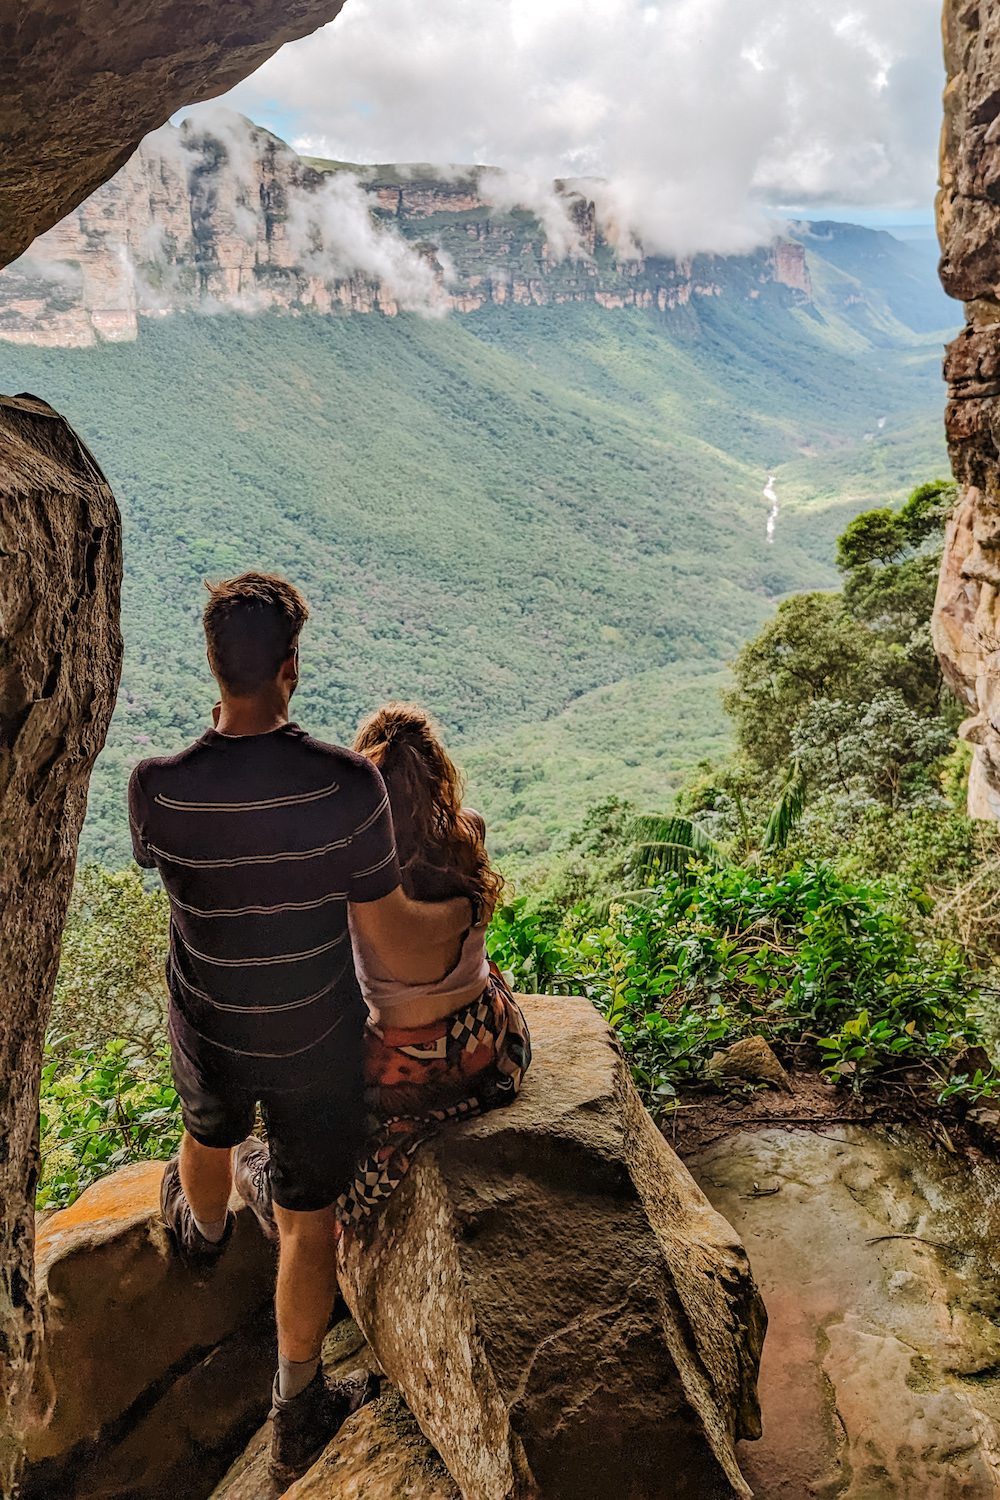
column 302, row 1427
column 252, row 1176
column 197, row 1253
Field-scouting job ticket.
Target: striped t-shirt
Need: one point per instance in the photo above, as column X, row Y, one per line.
column 261, row 841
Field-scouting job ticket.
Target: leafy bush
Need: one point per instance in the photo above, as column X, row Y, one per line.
column 525, row 946
column 793, row 956
column 100, row 1111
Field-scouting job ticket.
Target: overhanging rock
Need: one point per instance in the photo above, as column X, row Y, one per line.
column 80, row 85
column 562, row 1309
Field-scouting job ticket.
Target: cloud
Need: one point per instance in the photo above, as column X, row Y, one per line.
column 333, row 235
column 701, row 115
column 326, row 232
column 505, row 190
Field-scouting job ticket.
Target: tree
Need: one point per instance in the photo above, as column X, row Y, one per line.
column 111, row 983
column 873, row 639
column 890, row 562
column 809, row 650
column 877, row 748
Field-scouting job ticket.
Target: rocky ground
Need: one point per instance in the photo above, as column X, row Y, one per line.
column 551, row 1227
column 871, row 1223
column 549, row 1294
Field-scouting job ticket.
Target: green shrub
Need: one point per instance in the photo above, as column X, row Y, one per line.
column 100, row 1111
column 793, row 956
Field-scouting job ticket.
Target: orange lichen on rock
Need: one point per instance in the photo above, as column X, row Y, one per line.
column 133, row 1193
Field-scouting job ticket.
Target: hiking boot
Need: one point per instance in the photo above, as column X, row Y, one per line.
column 302, row 1427
column 197, row 1253
column 252, row 1176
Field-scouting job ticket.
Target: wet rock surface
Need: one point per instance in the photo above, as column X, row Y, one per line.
column 875, row 1253
column 562, row 1310
column 78, row 94
column 60, row 657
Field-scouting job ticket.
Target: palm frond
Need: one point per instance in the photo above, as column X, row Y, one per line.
column 652, row 828
column 787, row 810
column 661, row 844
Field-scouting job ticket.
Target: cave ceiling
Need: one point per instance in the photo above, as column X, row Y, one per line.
column 82, row 81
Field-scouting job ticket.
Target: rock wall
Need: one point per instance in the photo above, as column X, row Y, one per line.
column 80, row 86
column 967, row 612
column 60, row 658
column 227, row 216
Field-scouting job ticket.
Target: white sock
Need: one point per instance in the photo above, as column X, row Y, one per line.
column 294, row 1375
column 211, row 1229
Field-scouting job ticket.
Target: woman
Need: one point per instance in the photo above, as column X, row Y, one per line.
column 458, row 1046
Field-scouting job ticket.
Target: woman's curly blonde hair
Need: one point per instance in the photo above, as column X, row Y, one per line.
column 434, row 833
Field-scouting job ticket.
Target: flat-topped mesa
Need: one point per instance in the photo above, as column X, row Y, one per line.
column 223, row 215
column 966, row 624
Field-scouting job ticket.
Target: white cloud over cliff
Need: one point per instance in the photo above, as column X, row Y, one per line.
column 701, row 114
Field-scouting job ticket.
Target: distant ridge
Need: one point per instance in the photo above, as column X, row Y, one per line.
column 230, row 217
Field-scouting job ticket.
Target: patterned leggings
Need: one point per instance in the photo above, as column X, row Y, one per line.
column 418, row 1080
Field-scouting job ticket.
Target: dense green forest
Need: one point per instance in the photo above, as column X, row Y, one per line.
column 547, row 524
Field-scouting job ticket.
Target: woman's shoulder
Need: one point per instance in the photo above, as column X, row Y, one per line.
column 426, row 880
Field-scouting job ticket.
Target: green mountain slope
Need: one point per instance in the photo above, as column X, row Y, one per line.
column 902, row 276
column 497, row 514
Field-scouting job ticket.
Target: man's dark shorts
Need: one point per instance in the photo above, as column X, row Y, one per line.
column 316, row 1133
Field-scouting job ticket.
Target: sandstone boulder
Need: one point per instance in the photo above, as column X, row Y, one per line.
column 60, row 656
column 750, row 1060
column 194, row 1428
column 130, row 1338
column 877, row 1261
column 563, row 1311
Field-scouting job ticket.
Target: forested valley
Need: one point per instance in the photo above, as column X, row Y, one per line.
column 819, row 886
column 711, row 739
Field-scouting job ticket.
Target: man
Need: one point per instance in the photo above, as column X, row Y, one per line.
column 264, row 838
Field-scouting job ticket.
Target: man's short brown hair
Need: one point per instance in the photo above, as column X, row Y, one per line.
column 252, row 625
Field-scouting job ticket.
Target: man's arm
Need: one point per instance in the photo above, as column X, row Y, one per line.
column 416, row 942
column 137, row 819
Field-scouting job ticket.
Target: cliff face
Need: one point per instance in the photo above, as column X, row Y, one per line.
column 967, row 612
column 230, row 217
